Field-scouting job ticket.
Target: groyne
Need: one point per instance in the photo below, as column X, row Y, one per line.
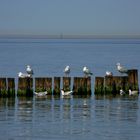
column 79, row 85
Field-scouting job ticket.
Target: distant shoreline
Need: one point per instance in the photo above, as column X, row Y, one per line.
column 69, row 36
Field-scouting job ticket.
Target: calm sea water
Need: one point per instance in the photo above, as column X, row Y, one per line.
column 78, row 118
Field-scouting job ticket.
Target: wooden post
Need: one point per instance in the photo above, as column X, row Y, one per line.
column 39, row 84
column 99, row 86
column 82, row 86
column 56, row 89
column 3, row 87
column 11, row 87
column 66, row 83
column 76, row 85
column 133, row 79
column 25, row 87
column 121, row 82
column 48, row 85
column 109, row 85
column 88, row 84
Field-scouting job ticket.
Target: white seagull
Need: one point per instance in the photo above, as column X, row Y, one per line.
column 121, row 69
column 86, row 71
column 66, row 93
column 29, row 70
column 40, row 94
column 67, row 70
column 108, row 73
column 122, row 92
column 23, row 75
column 134, row 92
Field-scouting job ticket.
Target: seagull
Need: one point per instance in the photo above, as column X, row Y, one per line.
column 29, row 70
column 23, row 75
column 40, row 94
column 134, row 92
column 122, row 92
column 108, row 73
column 86, row 71
column 121, row 69
column 65, row 93
column 67, row 70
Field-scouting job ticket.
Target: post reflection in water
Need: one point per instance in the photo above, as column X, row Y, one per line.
column 71, row 117
column 119, row 115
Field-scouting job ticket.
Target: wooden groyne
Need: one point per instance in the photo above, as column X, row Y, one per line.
column 113, row 84
column 25, row 87
column 81, row 85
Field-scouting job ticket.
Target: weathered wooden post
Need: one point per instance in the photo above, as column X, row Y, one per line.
column 82, row 86
column 25, row 87
column 121, row 82
column 76, row 85
column 56, row 89
column 3, row 87
column 48, row 85
column 109, row 85
column 11, row 87
column 88, row 84
column 39, row 84
column 66, row 83
column 99, row 86
column 133, row 79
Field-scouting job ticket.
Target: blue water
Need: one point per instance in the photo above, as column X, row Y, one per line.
column 78, row 118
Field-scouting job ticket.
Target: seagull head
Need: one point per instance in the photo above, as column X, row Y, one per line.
column 84, row 68
column 118, row 64
column 28, row 66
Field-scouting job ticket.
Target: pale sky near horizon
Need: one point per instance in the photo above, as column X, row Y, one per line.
column 71, row 17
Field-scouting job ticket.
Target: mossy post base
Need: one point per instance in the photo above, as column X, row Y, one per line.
column 99, row 86
column 66, row 83
column 11, row 87
column 3, row 87
column 82, row 86
column 56, row 89
column 25, row 87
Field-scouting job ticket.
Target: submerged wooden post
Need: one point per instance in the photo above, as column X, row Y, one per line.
column 56, row 89
column 66, row 83
column 48, row 85
column 11, row 87
column 133, row 79
column 99, row 86
column 25, row 87
column 3, row 87
column 39, row 84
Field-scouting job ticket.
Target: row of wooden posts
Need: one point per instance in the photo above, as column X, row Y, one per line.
column 81, row 86
column 113, row 84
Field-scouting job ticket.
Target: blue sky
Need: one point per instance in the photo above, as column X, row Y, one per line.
column 71, row 17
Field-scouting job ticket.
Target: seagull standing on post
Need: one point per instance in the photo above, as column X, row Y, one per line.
column 29, row 70
column 86, row 71
column 67, row 70
column 121, row 69
column 109, row 73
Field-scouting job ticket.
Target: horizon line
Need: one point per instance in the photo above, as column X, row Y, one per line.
column 62, row 36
